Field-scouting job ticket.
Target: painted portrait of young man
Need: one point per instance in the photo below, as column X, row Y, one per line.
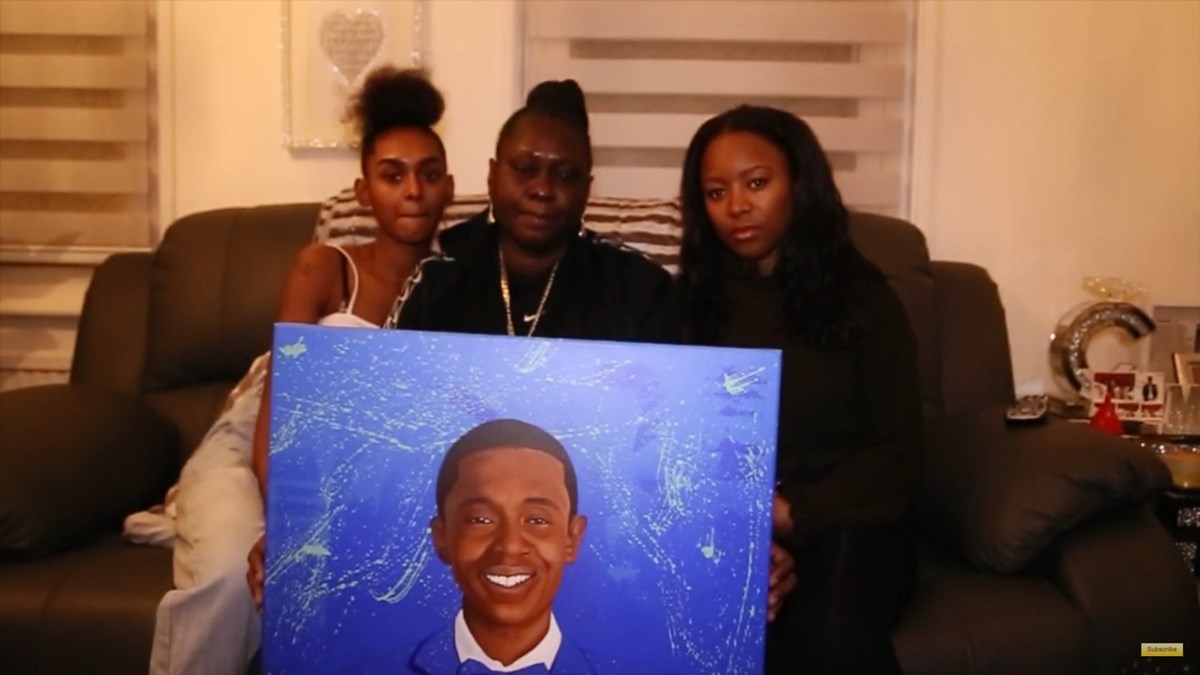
column 474, row 504
column 507, row 525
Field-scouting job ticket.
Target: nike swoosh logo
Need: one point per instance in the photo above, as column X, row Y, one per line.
column 530, row 318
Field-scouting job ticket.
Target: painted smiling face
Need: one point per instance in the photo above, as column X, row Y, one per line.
column 748, row 196
column 506, row 530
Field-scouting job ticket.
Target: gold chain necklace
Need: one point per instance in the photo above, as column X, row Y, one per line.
column 504, row 293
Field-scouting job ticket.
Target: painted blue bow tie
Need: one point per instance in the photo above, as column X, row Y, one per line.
column 473, row 667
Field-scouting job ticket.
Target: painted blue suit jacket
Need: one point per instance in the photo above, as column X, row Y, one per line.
column 437, row 655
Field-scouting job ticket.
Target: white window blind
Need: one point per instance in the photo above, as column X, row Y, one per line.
column 77, row 139
column 654, row 70
column 75, row 130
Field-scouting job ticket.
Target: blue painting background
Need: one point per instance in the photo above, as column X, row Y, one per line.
column 675, row 452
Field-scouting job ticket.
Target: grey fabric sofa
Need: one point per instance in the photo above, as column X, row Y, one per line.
column 1039, row 553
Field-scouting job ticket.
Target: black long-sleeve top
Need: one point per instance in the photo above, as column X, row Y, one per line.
column 850, row 418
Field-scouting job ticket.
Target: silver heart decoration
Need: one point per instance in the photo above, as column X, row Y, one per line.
column 351, row 42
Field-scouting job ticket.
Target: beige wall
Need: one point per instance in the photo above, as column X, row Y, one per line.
column 1057, row 140
column 226, row 102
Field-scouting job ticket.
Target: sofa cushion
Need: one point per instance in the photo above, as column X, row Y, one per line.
column 1117, row 570
column 87, row 610
column 192, row 409
column 976, row 366
column 214, row 291
column 999, row 496
column 110, row 339
column 651, row 226
column 898, row 249
column 342, row 220
column 75, row 460
column 982, row 623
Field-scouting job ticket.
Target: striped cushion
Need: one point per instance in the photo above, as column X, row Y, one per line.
column 650, row 226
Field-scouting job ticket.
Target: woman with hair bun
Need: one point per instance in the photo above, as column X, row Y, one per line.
column 209, row 622
column 527, row 266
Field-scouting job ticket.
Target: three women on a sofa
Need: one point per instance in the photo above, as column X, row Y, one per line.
column 766, row 261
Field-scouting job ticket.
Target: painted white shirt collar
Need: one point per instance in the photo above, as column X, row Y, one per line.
column 543, row 653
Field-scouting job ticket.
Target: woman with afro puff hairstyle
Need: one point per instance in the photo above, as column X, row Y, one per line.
column 209, row 622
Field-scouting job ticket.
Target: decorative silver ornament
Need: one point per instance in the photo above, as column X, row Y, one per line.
column 1068, row 343
column 1188, row 517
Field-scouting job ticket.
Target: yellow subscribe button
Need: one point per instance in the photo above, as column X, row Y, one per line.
column 1162, row 649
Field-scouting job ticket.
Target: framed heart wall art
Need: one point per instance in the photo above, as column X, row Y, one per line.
column 328, row 47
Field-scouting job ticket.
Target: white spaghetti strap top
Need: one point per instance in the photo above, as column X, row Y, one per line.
column 348, row 304
column 345, row 316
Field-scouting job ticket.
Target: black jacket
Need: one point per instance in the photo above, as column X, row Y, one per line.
column 849, row 418
column 601, row 291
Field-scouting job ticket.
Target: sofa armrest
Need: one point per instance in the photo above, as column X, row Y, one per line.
column 110, row 345
column 999, row 495
column 1130, row 580
column 75, row 460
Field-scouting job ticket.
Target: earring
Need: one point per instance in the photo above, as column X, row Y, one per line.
column 583, row 224
column 491, row 217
